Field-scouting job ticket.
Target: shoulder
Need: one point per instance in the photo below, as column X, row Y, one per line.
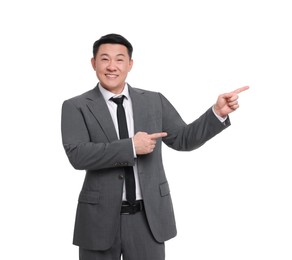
column 80, row 96
column 145, row 93
column 83, row 98
column 153, row 98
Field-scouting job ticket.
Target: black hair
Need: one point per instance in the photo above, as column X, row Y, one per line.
column 115, row 39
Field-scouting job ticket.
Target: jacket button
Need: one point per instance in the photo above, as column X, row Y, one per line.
column 121, row 176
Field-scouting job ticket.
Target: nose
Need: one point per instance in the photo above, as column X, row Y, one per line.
column 111, row 66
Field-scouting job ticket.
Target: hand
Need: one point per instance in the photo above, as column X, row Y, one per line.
column 145, row 143
column 227, row 103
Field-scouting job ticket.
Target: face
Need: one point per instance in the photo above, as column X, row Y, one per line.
column 112, row 64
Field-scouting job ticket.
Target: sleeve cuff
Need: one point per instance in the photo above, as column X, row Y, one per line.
column 222, row 119
column 134, row 151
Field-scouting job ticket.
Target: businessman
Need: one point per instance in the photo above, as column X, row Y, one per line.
column 114, row 132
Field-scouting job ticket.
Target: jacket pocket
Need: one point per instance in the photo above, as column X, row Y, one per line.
column 91, row 197
column 164, row 189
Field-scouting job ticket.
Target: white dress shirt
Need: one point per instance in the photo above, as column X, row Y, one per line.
column 112, row 106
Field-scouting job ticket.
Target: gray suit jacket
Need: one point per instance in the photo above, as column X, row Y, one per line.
column 91, row 144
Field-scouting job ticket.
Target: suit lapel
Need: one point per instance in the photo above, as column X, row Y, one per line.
column 99, row 109
column 140, row 111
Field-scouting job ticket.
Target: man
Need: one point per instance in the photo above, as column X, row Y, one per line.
column 125, row 205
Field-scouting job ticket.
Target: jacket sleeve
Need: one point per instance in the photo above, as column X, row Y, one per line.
column 82, row 152
column 187, row 137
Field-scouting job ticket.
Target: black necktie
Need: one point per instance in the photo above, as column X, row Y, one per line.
column 123, row 132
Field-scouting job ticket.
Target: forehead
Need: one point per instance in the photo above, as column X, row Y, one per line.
column 112, row 49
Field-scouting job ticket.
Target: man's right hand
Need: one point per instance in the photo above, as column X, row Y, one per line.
column 145, row 143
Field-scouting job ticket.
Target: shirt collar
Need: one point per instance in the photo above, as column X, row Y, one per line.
column 108, row 95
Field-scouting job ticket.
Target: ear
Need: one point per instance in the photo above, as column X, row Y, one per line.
column 130, row 65
column 93, row 63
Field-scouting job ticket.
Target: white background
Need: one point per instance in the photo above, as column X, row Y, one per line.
column 232, row 197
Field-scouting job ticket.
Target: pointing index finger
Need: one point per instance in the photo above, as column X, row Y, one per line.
column 239, row 90
column 158, row 135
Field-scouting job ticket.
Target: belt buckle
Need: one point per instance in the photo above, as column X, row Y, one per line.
column 133, row 209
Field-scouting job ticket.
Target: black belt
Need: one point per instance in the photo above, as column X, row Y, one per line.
column 127, row 208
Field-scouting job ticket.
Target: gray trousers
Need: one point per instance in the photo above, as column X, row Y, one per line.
column 134, row 241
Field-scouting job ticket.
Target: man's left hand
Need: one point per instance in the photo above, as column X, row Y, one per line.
column 228, row 102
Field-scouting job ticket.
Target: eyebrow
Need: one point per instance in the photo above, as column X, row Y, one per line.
column 105, row 54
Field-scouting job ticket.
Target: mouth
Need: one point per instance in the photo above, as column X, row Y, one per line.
column 111, row 76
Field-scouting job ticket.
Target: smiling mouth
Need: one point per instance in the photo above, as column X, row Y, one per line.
column 112, row 76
